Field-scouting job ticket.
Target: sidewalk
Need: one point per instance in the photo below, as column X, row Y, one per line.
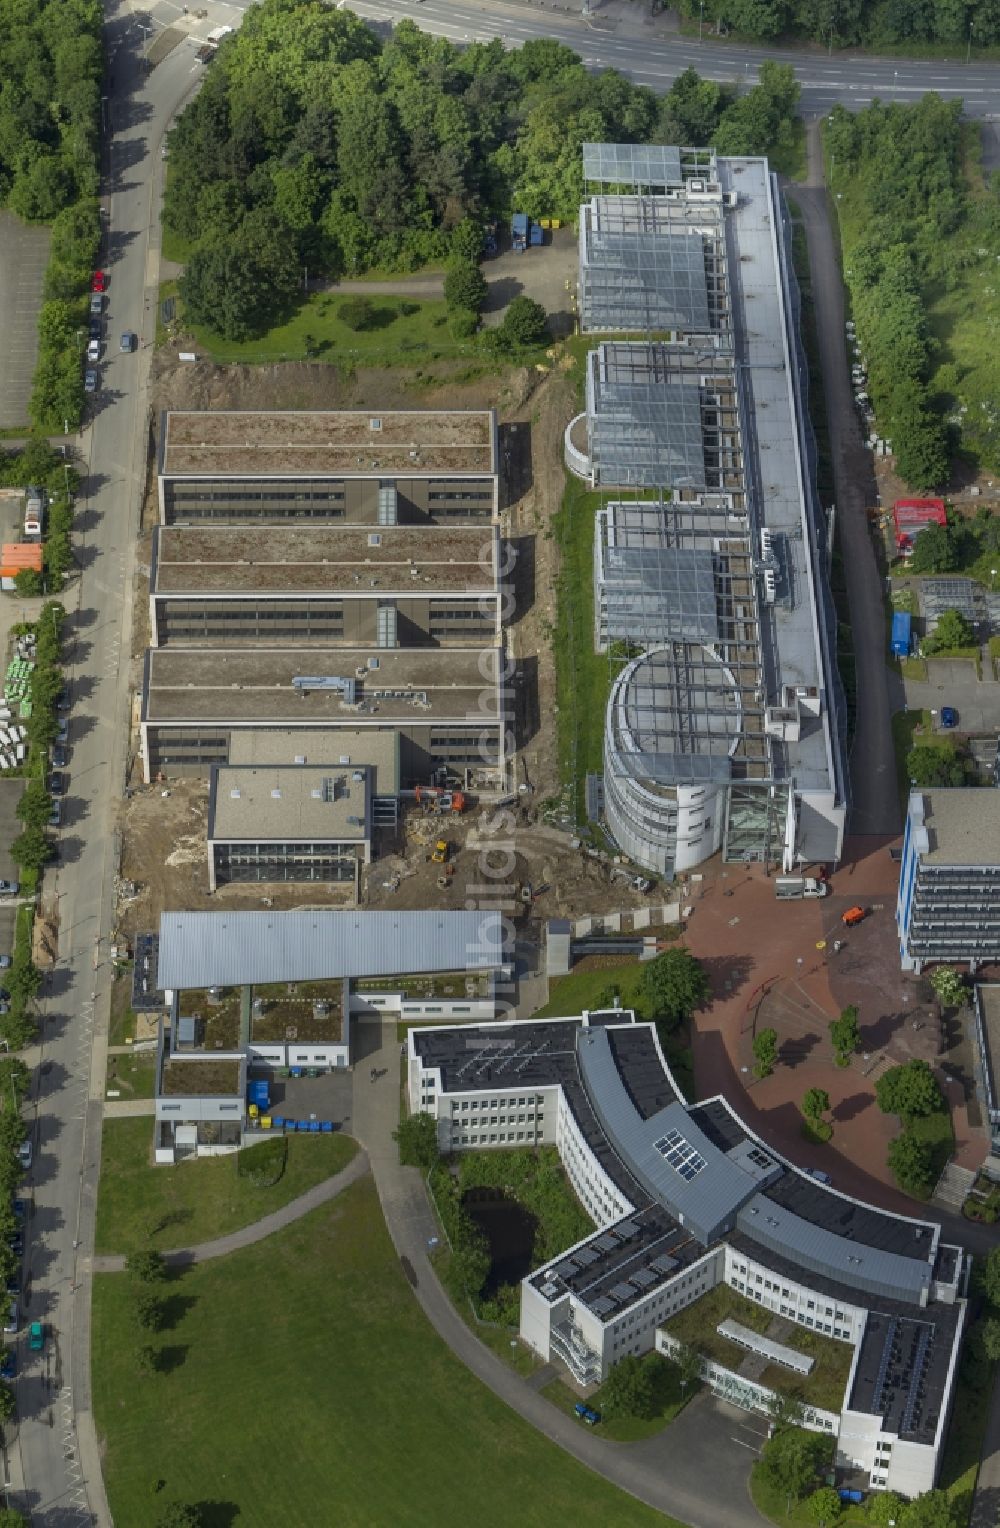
column 986, row 1501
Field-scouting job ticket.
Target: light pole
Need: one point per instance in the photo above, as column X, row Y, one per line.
column 701, row 19
column 968, row 51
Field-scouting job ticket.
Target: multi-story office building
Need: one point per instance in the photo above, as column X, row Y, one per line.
column 949, row 876
column 361, row 467
column 987, row 1065
column 445, row 703
column 685, row 1197
column 398, row 586
column 724, row 726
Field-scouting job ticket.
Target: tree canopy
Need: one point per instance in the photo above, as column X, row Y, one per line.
column 792, row 1459
column 910, row 1161
column 845, row 1034
column 676, row 984
column 927, row 765
column 908, row 1090
column 314, row 142
column 952, row 630
column 848, row 23
column 416, row 1138
column 630, row 1389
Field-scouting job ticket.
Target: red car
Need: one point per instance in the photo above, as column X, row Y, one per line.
column 99, row 282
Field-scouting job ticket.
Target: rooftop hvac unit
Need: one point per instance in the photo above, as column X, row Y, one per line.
column 769, row 585
column 696, row 185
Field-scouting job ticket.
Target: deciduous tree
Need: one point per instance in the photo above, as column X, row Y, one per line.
column 675, row 984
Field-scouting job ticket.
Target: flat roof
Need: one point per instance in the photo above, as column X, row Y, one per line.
column 961, row 829
column 415, row 560
column 902, row 1369
column 376, row 747
column 196, row 1077
column 224, row 949
column 256, row 803
column 988, row 997
column 223, row 443
column 620, row 1263
column 633, row 164
column 405, row 685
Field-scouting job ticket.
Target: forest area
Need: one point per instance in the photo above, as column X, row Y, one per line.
column 876, row 24
column 314, row 144
column 51, row 65
column 920, row 227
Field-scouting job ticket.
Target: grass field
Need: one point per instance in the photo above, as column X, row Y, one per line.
column 302, row 1384
column 401, row 330
column 132, row 1076
column 140, row 1205
column 583, row 676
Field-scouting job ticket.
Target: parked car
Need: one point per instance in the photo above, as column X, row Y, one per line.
column 95, row 328
column 20, row 1208
column 59, row 755
column 62, row 731
column 127, row 342
column 55, row 816
column 8, row 1364
column 16, row 1243
column 5, row 962
column 99, row 282
column 13, row 1285
column 949, row 716
column 64, row 701
column 36, row 1336
column 587, row 1414
column 10, row 1325
column 56, row 783
column 90, row 380
column 25, row 1154
column 96, row 304
column 94, row 350
column 9, row 888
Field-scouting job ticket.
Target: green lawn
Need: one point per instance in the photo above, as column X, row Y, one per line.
column 936, row 1131
column 770, row 1500
column 121, row 1028
column 141, row 1205
column 905, row 737
column 824, row 1386
column 302, row 1372
column 583, row 676
column 132, row 1076
column 402, row 330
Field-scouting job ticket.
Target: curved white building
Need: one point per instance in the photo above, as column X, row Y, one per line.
column 685, row 1197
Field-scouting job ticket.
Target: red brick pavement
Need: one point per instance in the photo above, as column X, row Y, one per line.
column 766, row 968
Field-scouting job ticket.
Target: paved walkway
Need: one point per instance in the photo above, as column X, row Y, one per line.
column 691, row 1471
column 246, row 1236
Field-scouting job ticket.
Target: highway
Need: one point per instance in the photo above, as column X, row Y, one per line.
column 53, row 1460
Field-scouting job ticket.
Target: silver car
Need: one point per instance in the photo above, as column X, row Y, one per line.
column 90, row 380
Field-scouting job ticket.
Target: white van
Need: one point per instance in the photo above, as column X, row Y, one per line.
column 787, row 887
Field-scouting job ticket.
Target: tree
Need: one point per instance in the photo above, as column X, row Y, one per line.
column 31, row 849
column 629, row 1390
column 675, row 984
column 885, row 1507
column 765, row 1050
column 465, row 287
column 146, row 1358
column 845, row 1035
column 815, row 1104
column 909, row 1090
column 148, row 1309
column 149, row 1267
column 910, row 1161
column 417, row 1140
column 687, row 1361
column 989, row 1277
column 24, row 980
column 28, row 583
column 928, row 766
column 35, row 806
column 793, row 1458
column 15, row 1080
column 934, row 551
column 952, row 630
column 949, row 986
column 824, row 1506
column 932, row 1510
column 179, row 1515
column 8, row 1404
column 991, row 1338
column 524, row 325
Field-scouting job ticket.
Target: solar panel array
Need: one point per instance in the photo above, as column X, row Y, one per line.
column 680, row 1154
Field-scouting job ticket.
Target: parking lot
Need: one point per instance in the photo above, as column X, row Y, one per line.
column 24, row 253
column 542, row 273
column 953, row 682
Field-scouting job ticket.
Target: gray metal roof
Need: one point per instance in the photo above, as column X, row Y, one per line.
column 705, row 1202
column 660, row 594
column 645, row 281
column 856, row 1263
column 222, row 949
column 647, row 432
column 632, row 164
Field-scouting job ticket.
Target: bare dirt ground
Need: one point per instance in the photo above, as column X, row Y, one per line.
column 534, row 406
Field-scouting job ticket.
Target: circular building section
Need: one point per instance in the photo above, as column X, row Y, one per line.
column 674, row 722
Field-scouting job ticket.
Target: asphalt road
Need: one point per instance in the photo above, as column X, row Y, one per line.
column 874, row 799
column 619, row 35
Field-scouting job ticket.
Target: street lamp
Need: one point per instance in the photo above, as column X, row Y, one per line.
column 968, row 51
column 701, row 19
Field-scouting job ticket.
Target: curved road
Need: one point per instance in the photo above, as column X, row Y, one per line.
column 53, row 1459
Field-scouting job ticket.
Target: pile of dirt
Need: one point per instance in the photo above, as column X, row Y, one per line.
column 45, row 933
